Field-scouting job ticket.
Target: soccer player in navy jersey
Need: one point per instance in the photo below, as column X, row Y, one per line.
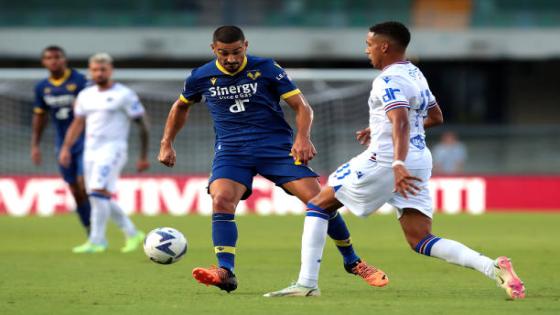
column 243, row 93
column 55, row 95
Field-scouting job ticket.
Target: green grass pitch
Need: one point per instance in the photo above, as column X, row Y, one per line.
column 39, row 274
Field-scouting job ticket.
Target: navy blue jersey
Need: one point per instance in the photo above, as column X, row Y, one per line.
column 245, row 104
column 57, row 98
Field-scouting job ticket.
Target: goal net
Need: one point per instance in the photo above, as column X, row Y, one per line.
column 338, row 97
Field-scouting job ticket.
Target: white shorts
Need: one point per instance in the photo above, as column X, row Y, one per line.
column 363, row 186
column 102, row 168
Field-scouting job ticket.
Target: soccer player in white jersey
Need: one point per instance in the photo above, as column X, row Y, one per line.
column 105, row 111
column 395, row 169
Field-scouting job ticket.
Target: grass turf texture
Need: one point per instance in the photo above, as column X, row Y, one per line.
column 41, row 276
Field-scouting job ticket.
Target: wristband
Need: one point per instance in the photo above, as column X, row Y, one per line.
column 397, row 162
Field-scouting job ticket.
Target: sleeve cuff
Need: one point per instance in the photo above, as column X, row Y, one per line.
column 289, row 94
column 38, row 110
column 396, row 105
column 185, row 100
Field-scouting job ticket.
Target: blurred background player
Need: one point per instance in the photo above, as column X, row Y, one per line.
column 55, row 95
column 252, row 137
column 395, row 169
column 449, row 154
column 105, row 111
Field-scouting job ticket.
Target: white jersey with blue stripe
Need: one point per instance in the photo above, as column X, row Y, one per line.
column 400, row 85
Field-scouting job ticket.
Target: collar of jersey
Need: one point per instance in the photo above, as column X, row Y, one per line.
column 404, row 62
column 222, row 69
column 58, row 82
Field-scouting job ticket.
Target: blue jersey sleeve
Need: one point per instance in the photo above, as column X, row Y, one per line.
column 191, row 92
column 282, row 82
column 39, row 105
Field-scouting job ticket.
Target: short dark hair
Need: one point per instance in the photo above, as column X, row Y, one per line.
column 53, row 48
column 394, row 30
column 228, row 34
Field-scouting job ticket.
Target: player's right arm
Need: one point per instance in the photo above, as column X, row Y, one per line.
column 401, row 136
column 364, row 136
column 38, row 126
column 72, row 134
column 175, row 121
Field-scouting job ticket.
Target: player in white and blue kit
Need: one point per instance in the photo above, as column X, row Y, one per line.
column 243, row 93
column 395, row 169
column 105, row 111
column 55, row 96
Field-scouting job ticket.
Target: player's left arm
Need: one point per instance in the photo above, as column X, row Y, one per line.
column 434, row 118
column 303, row 149
column 135, row 110
column 401, row 136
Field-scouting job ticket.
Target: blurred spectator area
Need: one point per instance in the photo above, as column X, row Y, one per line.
column 287, row 13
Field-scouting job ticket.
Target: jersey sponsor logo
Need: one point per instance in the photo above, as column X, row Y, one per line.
column 239, row 106
column 390, row 94
column 63, row 113
column 282, row 76
column 253, row 74
column 234, row 91
column 59, row 100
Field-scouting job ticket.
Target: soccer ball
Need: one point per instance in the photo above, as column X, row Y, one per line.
column 165, row 245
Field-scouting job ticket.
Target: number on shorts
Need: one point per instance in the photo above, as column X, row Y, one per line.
column 343, row 171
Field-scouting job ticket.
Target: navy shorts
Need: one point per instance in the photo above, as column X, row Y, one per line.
column 242, row 169
column 74, row 170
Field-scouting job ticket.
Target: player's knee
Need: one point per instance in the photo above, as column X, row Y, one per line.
column 325, row 201
column 223, row 202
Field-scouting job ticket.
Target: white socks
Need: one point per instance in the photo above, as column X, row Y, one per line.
column 459, row 254
column 103, row 208
column 122, row 220
column 100, row 211
column 312, row 243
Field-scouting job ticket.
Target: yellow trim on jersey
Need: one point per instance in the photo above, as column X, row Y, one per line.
column 222, row 69
column 224, row 249
column 291, row 93
column 185, row 100
column 58, row 82
column 38, row 110
column 343, row 243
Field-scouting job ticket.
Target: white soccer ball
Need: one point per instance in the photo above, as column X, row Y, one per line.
column 165, row 245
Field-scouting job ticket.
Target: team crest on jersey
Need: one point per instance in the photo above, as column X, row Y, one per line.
column 418, row 141
column 71, row 87
column 253, row 74
column 47, row 90
column 213, row 80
